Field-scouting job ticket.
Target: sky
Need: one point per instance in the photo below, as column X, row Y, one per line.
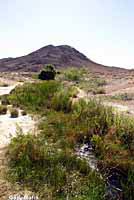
column 101, row 29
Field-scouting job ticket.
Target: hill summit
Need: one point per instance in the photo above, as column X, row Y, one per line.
column 60, row 56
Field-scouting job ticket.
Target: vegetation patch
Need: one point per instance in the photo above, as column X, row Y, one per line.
column 47, row 163
column 14, row 113
column 3, row 110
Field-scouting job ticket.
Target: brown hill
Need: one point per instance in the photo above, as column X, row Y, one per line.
column 60, row 56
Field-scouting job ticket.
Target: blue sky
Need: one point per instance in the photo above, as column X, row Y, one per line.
column 101, row 29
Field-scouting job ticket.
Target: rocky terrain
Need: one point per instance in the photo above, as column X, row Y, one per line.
column 60, row 56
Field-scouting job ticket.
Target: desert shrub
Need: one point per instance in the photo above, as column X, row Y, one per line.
column 98, row 90
column 61, row 101
column 3, row 109
column 97, row 118
column 14, row 113
column 48, row 73
column 73, row 74
column 100, row 82
column 4, row 100
column 3, row 85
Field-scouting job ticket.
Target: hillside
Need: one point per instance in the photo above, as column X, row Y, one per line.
column 60, row 56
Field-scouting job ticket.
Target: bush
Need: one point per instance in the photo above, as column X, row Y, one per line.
column 3, row 109
column 48, row 73
column 99, row 91
column 61, row 101
column 23, row 112
column 4, row 100
column 73, row 74
column 14, row 113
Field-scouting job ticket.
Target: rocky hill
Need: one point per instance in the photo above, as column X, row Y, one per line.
column 60, row 56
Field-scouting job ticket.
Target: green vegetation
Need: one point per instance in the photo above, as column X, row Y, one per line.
column 48, row 73
column 47, row 163
column 99, row 90
column 34, row 97
column 73, row 74
column 3, row 110
column 14, row 113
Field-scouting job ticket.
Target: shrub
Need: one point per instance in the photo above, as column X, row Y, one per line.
column 23, row 112
column 3, row 109
column 48, row 73
column 14, row 113
column 73, row 74
column 99, row 91
column 4, row 100
column 97, row 144
column 61, row 101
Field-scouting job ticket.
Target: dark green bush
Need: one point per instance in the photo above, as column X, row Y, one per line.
column 48, row 73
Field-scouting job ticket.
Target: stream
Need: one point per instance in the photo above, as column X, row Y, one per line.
column 113, row 178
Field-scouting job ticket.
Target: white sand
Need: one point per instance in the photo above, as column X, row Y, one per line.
column 9, row 126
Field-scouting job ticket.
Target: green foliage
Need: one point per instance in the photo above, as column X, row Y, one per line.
column 37, row 164
column 61, row 101
column 3, row 109
column 14, row 113
column 99, row 90
column 48, row 73
column 73, row 74
column 98, row 144
column 128, row 187
column 47, row 163
column 34, row 97
column 4, row 100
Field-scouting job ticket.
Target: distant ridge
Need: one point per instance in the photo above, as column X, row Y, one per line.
column 60, row 56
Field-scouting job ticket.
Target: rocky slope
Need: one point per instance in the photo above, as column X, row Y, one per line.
column 60, row 56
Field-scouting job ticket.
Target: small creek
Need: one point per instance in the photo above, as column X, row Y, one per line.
column 113, row 185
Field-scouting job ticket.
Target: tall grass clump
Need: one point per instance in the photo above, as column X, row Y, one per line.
column 61, row 101
column 34, row 97
column 73, row 74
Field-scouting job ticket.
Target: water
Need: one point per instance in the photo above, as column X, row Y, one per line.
column 113, row 178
